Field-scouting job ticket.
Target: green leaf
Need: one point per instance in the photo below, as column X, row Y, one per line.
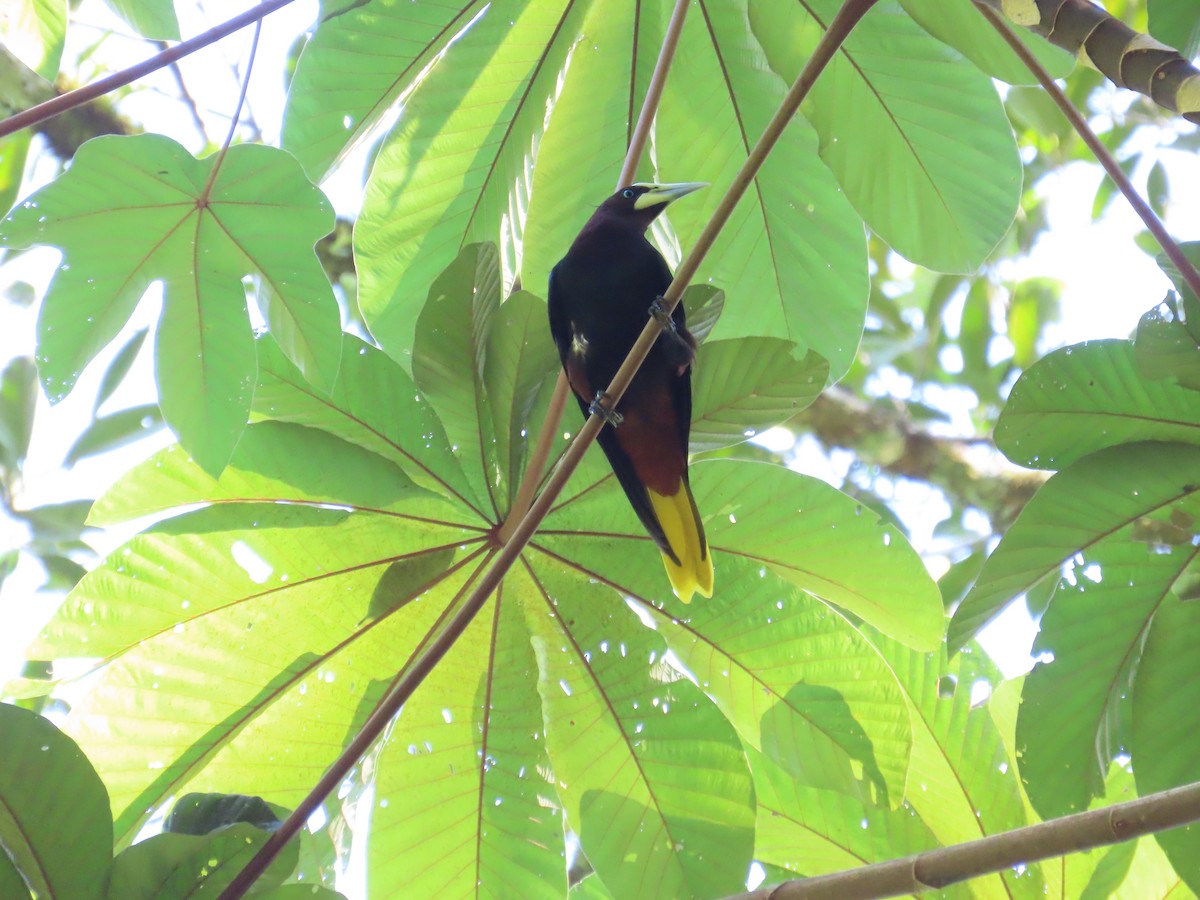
column 449, row 354
column 743, row 387
column 160, row 214
column 61, row 839
column 653, row 778
column 1132, row 486
column 464, row 776
column 18, row 401
column 443, row 176
column 704, row 305
column 964, row 29
column 200, row 814
column 1165, row 349
column 1071, row 724
column 119, row 367
column 110, row 432
column 13, row 152
column 1166, row 700
column 813, row 832
column 154, row 19
column 890, row 111
column 186, row 866
column 35, row 31
column 55, row 522
column 356, row 67
column 374, row 405
column 1086, row 397
column 1174, row 23
column 962, row 781
column 792, row 259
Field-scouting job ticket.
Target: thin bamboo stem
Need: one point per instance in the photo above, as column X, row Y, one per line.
column 86, row 94
column 935, row 869
column 1153, row 224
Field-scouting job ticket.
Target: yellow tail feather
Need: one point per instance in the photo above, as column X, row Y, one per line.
column 694, row 574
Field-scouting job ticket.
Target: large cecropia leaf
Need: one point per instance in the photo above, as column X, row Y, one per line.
column 247, row 635
column 134, row 210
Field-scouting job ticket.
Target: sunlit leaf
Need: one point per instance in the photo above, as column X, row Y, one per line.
column 653, row 778
column 962, row 781
column 359, row 61
column 35, row 31
column 116, row 430
column 133, row 210
column 742, row 387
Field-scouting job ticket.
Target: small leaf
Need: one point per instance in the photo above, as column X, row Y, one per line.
column 154, row 19
column 119, row 367
column 110, row 432
column 60, row 840
column 58, row 521
column 200, row 814
column 1165, row 348
column 170, row 866
column 162, row 210
column 18, row 400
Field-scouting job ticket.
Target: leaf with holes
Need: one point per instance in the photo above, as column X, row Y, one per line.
column 135, row 210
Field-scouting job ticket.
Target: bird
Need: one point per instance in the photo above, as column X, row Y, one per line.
column 601, row 294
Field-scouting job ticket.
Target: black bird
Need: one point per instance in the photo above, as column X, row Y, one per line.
column 601, row 294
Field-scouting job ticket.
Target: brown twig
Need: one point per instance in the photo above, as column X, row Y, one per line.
column 935, row 869
column 1106, row 160
column 72, row 99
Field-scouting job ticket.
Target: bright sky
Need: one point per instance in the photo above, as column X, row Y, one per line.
column 1108, row 282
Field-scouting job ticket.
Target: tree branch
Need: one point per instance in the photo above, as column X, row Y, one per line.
column 1129, row 59
column 935, row 869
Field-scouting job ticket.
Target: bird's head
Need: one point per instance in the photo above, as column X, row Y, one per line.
column 641, row 203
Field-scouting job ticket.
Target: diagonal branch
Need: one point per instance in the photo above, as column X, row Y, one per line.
column 936, row 869
column 64, row 102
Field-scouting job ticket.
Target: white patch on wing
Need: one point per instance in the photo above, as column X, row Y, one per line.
column 579, row 343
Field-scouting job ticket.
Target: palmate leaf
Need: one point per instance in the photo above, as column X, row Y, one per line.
column 133, row 210
column 245, row 637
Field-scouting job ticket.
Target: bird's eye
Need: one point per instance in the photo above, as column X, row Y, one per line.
column 629, row 193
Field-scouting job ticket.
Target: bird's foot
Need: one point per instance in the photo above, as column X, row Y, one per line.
column 660, row 313
column 609, row 416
